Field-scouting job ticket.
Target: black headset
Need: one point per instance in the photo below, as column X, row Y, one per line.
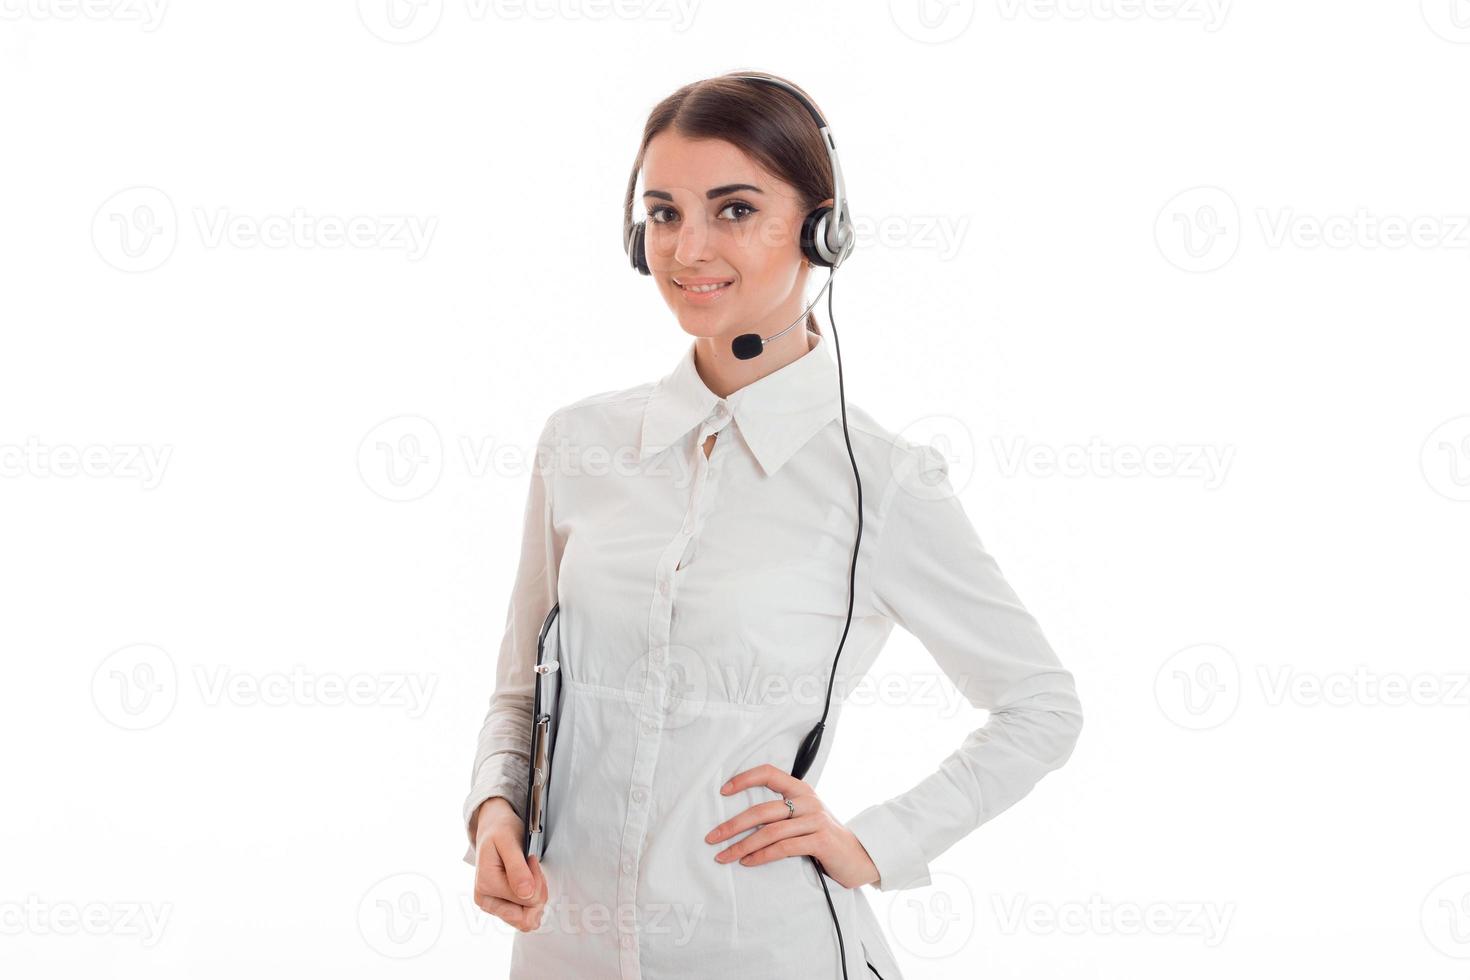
column 827, row 238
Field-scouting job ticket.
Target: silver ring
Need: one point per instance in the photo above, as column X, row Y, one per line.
column 790, row 809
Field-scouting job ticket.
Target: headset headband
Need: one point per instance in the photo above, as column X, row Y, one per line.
column 838, row 240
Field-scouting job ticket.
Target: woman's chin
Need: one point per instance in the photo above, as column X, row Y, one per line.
column 703, row 323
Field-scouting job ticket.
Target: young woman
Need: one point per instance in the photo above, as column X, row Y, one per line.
column 724, row 580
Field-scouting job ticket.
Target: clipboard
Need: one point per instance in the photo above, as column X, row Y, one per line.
column 545, row 718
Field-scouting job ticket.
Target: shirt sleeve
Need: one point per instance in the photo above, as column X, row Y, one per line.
column 933, row 577
column 502, row 755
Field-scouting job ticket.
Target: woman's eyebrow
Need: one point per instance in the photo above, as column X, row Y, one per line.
column 711, row 194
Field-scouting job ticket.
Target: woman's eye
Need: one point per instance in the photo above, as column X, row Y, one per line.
column 663, row 214
column 739, row 204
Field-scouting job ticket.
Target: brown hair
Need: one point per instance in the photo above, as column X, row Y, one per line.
column 766, row 122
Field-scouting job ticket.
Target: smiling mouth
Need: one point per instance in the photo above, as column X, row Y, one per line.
column 704, row 288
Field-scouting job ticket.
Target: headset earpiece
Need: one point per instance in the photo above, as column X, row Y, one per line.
column 814, row 238
column 813, row 229
column 636, row 256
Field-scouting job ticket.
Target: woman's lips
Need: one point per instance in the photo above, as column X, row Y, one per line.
column 701, row 293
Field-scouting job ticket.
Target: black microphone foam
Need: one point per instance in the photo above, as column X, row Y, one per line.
column 747, row 345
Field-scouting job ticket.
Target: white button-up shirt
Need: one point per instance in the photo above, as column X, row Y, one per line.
column 702, row 601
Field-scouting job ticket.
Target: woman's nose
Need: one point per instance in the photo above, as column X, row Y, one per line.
column 692, row 244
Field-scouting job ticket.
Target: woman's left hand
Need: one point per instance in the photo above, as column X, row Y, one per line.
column 811, row 829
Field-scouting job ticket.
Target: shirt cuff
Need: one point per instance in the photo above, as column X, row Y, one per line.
column 893, row 849
column 505, row 780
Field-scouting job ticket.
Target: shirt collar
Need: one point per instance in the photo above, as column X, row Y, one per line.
column 776, row 413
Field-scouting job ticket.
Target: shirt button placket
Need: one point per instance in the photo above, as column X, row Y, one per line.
column 650, row 708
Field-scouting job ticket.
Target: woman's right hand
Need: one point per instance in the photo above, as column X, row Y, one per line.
column 506, row 885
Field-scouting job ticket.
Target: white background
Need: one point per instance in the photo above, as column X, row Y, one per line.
column 243, row 464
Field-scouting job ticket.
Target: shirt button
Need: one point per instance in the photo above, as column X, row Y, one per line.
column 628, row 867
column 663, row 587
column 638, row 795
column 627, row 940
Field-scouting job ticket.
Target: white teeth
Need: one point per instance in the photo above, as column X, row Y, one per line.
column 705, row 289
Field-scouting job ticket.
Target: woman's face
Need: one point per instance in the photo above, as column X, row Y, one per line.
column 715, row 216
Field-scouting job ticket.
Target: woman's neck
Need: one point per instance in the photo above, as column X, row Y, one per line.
column 724, row 373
